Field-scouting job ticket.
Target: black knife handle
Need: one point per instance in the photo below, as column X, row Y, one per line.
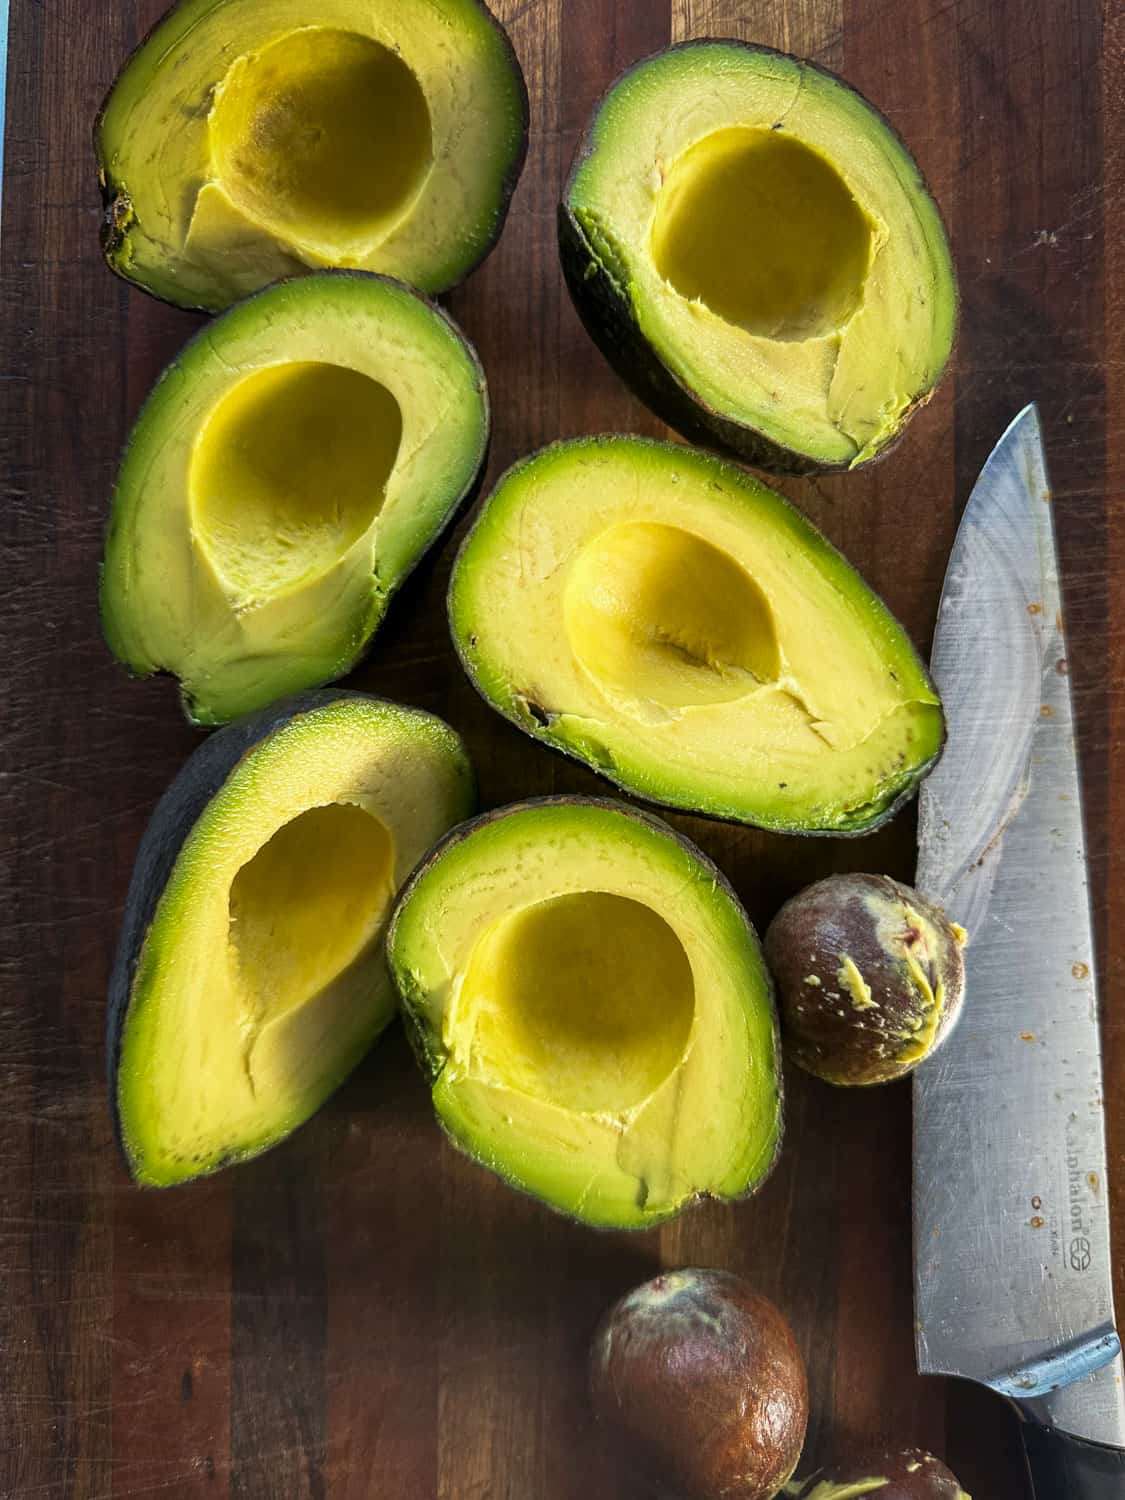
column 1066, row 1468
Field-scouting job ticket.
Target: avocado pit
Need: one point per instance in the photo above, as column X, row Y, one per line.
column 885, row 1473
column 700, row 1386
column 870, row 978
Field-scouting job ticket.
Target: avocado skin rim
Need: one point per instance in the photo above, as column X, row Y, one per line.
column 181, row 805
column 117, row 206
column 606, row 312
column 431, row 1062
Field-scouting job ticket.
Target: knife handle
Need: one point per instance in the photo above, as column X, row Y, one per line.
column 1063, row 1467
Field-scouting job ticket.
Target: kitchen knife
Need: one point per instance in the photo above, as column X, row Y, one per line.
column 1013, row 1277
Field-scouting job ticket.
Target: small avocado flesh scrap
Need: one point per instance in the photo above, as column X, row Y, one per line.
column 261, row 979
column 666, row 618
column 247, row 140
column 592, row 1006
column 284, row 476
column 774, row 244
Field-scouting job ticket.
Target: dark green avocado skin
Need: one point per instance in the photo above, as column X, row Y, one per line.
column 174, row 817
column 607, row 315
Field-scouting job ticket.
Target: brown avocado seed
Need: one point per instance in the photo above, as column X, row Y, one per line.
column 882, row 1473
column 701, row 1388
column 870, row 978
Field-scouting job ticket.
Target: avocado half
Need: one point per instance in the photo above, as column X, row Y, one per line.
column 756, row 252
column 287, row 472
column 247, row 140
column 250, row 976
column 590, row 1003
column 663, row 616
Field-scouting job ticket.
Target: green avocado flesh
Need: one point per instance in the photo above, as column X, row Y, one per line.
column 774, row 245
column 261, row 980
column 284, row 476
column 594, row 1011
column 247, row 140
column 664, row 617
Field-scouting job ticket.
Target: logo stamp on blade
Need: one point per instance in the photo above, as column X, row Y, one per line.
column 1080, row 1254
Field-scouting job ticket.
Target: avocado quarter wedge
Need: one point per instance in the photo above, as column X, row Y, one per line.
column 250, row 976
column 590, row 1004
column 663, row 616
column 285, row 475
column 757, row 254
column 248, row 140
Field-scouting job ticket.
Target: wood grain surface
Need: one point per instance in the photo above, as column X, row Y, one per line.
column 362, row 1313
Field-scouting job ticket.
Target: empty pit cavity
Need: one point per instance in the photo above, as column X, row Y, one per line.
column 290, row 470
column 585, row 1000
column 657, row 614
column 308, row 905
column 765, row 232
column 323, row 135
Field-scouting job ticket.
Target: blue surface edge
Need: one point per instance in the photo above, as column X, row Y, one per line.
column 3, row 79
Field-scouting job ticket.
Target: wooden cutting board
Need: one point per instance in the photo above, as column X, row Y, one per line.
column 362, row 1313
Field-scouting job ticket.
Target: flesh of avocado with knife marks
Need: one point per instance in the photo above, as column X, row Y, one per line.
column 250, row 976
column 666, row 618
column 247, row 140
column 286, row 473
column 590, row 1005
column 756, row 252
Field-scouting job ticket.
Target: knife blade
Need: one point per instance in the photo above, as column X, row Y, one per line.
column 1013, row 1277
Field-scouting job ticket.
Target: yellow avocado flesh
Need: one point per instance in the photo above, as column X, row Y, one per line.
column 289, row 471
column 777, row 246
column 670, row 620
column 595, row 1009
column 284, row 476
column 254, row 138
column 801, row 273
column 532, row 1006
column 322, row 138
column 262, row 980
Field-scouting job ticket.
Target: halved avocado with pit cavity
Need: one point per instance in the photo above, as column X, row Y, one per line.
column 666, row 618
column 250, row 976
column 246, row 140
column 756, row 252
column 287, row 472
column 590, row 1003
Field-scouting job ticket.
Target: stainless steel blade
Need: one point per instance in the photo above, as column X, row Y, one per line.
column 1013, row 1282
